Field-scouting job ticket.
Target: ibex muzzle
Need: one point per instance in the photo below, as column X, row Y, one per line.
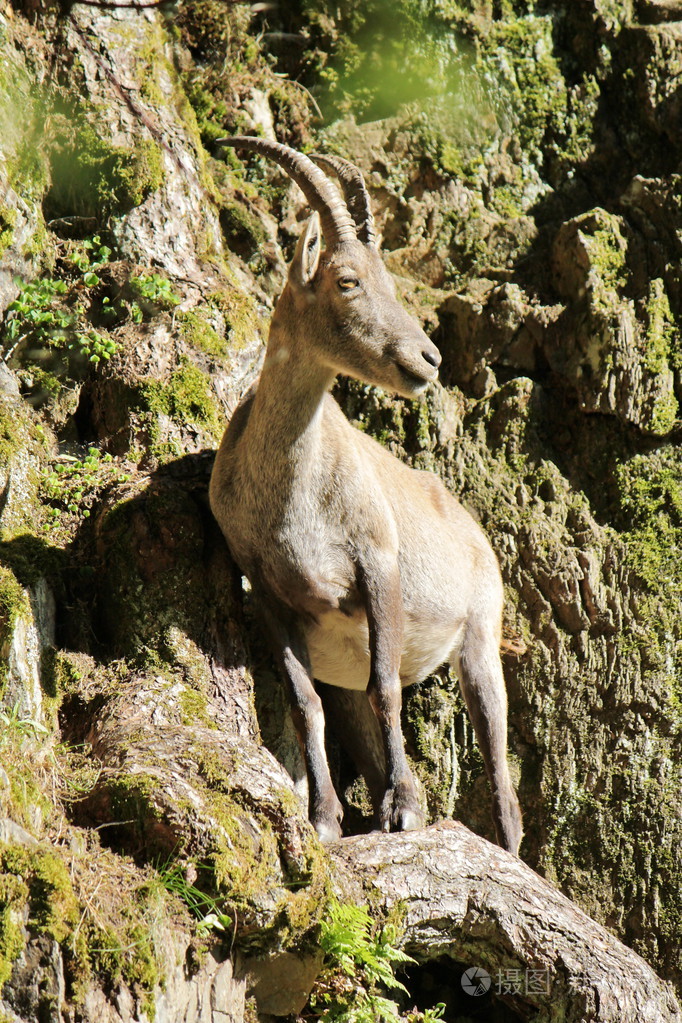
column 369, row 573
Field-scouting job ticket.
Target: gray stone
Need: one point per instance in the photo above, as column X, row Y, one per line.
column 282, row 983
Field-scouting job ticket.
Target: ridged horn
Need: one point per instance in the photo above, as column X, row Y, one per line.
column 337, row 223
column 354, row 192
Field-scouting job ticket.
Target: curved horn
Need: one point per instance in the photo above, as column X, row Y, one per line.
column 337, row 223
column 354, row 192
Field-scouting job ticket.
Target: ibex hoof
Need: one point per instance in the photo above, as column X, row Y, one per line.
column 326, row 819
column 410, row 820
column 406, row 820
column 399, row 815
column 328, row 833
column 508, row 823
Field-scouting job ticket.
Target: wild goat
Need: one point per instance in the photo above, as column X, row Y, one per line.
column 369, row 573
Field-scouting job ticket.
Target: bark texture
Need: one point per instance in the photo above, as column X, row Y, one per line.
column 469, row 900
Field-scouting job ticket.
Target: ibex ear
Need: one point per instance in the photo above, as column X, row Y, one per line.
column 307, row 256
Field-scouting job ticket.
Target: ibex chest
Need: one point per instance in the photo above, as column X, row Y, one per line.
column 299, row 553
column 296, row 513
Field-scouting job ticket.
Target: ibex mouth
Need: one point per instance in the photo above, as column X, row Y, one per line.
column 418, row 368
column 416, row 382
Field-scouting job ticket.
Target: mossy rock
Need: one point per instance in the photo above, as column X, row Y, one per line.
column 151, row 542
column 243, row 232
column 91, row 177
column 200, row 334
column 190, row 794
column 617, row 363
column 8, row 219
column 185, row 398
column 13, row 604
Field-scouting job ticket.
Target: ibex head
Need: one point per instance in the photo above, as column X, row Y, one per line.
column 343, row 298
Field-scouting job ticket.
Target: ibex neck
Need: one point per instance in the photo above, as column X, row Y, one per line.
column 290, row 396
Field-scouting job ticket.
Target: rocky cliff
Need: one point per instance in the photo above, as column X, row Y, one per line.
column 524, row 161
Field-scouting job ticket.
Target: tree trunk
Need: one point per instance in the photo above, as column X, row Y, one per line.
column 467, row 899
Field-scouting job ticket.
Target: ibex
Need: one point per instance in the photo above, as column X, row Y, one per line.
column 370, row 575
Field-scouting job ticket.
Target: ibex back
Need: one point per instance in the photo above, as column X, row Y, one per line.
column 369, row 573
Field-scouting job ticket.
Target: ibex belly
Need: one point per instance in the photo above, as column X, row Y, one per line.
column 338, row 646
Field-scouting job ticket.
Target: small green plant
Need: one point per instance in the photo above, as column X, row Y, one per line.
column 74, row 311
column 37, row 312
column 71, row 482
column 359, row 965
column 205, row 908
column 153, row 292
column 46, row 313
column 90, row 255
column 94, row 345
column 427, row 1016
column 13, row 723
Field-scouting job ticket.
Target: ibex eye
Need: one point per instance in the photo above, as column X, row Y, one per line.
column 348, row 283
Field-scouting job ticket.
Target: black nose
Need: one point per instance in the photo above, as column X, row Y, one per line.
column 432, row 356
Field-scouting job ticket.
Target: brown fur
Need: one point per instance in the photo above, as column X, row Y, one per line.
column 369, row 573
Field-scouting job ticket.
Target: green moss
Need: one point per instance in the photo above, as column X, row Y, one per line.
column 46, row 386
column 608, row 259
column 115, row 943
column 186, row 398
column 375, row 412
column 650, row 489
column 31, row 557
column 241, row 863
column 434, row 143
column 664, row 414
column 40, row 243
column 140, row 173
column 112, row 959
column 194, row 708
column 243, row 867
column 150, row 60
column 24, row 750
column 520, row 54
column 243, row 232
column 661, row 333
column 606, row 249
column 210, row 111
column 54, row 907
column 240, row 312
column 11, row 434
column 132, row 798
column 91, row 177
column 199, row 333
column 40, row 882
column 662, row 346
column 8, row 220
column 14, row 604
column 23, row 115
column 13, row 898
column 11, row 942
column 244, row 864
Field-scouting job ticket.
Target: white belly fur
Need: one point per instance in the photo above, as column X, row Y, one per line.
column 339, row 649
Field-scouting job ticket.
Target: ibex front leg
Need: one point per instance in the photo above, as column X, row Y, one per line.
column 380, row 583
column 324, row 809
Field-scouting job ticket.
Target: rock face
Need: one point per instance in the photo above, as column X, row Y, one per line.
column 524, row 165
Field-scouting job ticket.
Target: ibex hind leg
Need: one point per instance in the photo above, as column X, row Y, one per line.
column 483, row 688
column 353, row 722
